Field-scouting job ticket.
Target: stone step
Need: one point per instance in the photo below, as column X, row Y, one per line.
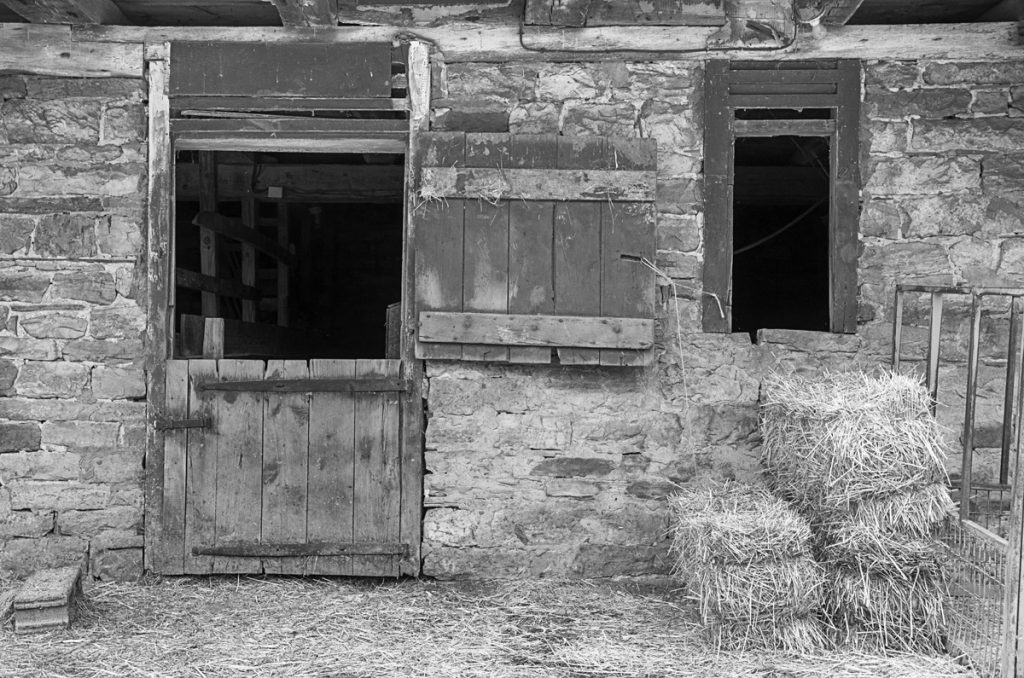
column 47, row 599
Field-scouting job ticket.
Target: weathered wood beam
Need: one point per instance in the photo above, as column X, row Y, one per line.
column 307, row 13
column 68, row 11
column 344, row 183
column 468, row 41
column 49, row 50
column 530, row 184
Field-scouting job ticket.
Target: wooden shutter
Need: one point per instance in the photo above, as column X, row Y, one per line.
column 529, row 244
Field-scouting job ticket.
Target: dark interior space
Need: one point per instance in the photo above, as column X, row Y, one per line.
column 780, row 275
column 338, row 216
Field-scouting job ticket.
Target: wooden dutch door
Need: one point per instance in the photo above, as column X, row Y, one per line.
column 285, row 409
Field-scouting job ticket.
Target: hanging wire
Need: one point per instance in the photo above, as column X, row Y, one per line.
column 792, row 223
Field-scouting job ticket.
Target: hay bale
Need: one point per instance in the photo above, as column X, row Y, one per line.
column 847, row 438
column 746, row 557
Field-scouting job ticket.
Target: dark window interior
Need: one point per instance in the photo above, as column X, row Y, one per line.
column 341, row 215
column 781, row 234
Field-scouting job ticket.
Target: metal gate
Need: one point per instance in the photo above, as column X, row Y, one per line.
column 285, row 466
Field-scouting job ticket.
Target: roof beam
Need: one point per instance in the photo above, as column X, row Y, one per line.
column 306, row 13
column 68, row 11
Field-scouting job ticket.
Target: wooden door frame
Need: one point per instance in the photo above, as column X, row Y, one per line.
column 159, row 224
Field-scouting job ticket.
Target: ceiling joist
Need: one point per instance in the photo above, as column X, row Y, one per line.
column 307, row 13
column 68, row 11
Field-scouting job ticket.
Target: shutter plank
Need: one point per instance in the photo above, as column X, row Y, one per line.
column 239, row 427
column 577, row 241
column 485, row 280
column 530, row 240
column 438, row 239
column 169, row 558
column 627, row 285
column 201, row 471
column 285, row 457
column 331, row 466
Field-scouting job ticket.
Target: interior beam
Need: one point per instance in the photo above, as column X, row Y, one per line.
column 68, row 11
column 307, row 13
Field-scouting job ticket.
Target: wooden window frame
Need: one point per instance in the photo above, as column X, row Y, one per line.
column 732, row 85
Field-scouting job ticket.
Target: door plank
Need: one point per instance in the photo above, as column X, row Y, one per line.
column 239, row 422
column 201, row 471
column 285, row 450
column 169, row 558
column 627, row 285
column 331, row 466
column 377, row 481
column 530, row 239
column 578, row 246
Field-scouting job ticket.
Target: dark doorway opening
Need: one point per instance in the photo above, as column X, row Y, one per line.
column 780, row 267
column 304, row 255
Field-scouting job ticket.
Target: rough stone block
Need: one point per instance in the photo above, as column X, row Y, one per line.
column 39, row 465
column 582, row 118
column 96, row 287
column 924, row 175
column 122, row 124
column 122, row 565
column 892, row 74
column 106, row 180
column 30, row 409
column 120, row 235
column 16, row 436
column 677, row 265
column 57, row 495
column 66, row 235
column 28, row 349
column 924, row 103
column 15, row 233
column 80, row 434
column 115, row 383
column 974, row 73
column 882, row 219
column 30, row 524
column 1000, row 135
column 507, row 81
column 31, row 121
column 12, row 87
column 573, row 467
column 535, row 118
column 113, row 466
column 1003, row 172
column 8, row 373
column 51, row 380
column 45, row 87
column 959, row 214
column 674, row 162
column 670, row 124
column 679, row 195
column 53, row 324
column 888, row 137
column 609, row 560
column 558, row 82
column 1004, row 214
column 974, row 258
column 681, row 233
column 22, row 557
column 917, row 261
column 991, row 102
column 89, row 523
column 117, row 322
column 23, row 285
column 8, row 179
column 577, row 489
column 103, row 350
column 470, row 118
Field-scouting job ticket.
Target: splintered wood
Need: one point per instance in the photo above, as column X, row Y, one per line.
column 46, row 600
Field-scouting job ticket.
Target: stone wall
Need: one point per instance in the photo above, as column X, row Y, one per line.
column 565, row 471
column 72, row 387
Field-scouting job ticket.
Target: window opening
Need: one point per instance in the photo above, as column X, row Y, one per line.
column 781, row 234
column 337, row 219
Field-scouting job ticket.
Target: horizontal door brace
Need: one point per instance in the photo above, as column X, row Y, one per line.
column 351, row 385
column 167, row 424
column 252, row 550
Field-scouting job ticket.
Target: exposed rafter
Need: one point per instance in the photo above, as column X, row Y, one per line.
column 68, row 11
column 301, row 13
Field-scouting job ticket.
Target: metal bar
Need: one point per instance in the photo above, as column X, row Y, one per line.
column 933, row 350
column 1008, row 396
column 308, row 386
column 999, row 291
column 897, row 330
column 173, row 424
column 316, row 549
column 972, row 394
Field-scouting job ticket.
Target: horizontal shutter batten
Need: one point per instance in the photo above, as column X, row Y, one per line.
column 536, row 330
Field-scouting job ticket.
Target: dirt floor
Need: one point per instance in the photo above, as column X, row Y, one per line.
column 229, row 626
